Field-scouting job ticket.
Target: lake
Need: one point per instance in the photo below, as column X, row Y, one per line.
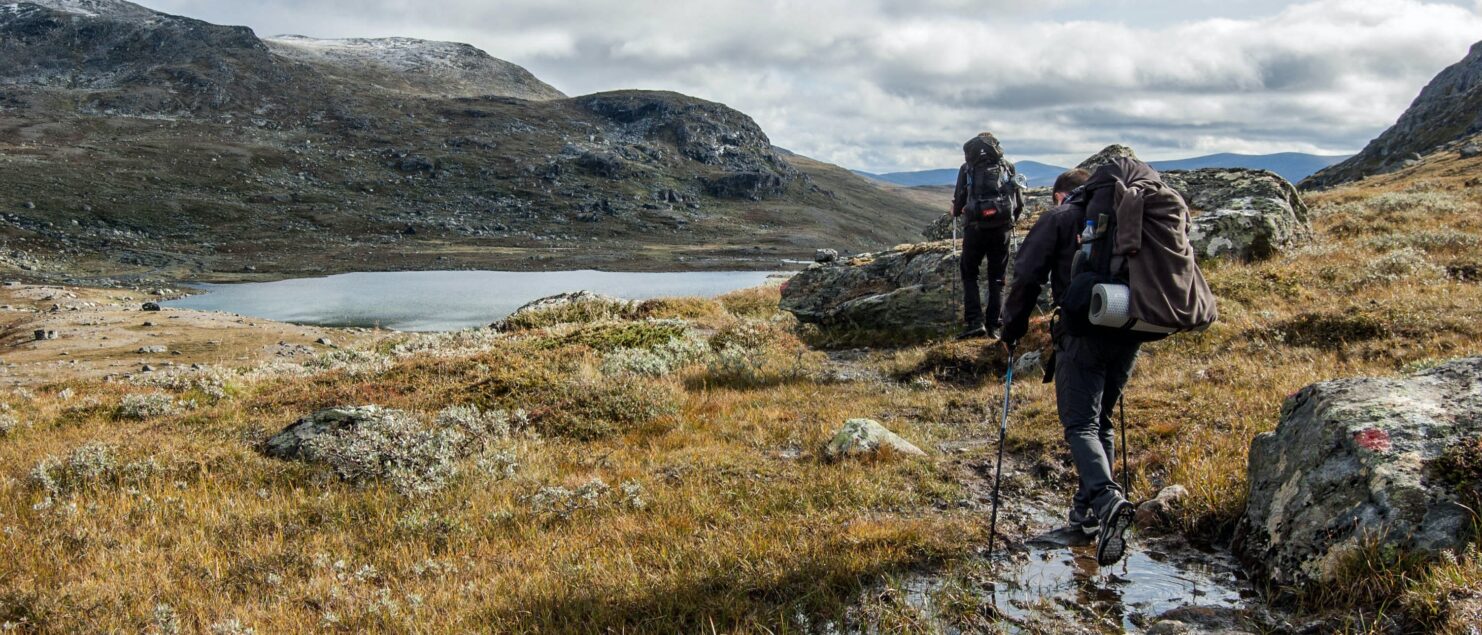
column 443, row 300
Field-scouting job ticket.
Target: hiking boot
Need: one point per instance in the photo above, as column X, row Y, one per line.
column 993, row 332
column 1111, row 545
column 1084, row 521
column 973, row 333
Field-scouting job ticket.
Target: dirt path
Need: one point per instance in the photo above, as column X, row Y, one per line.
column 97, row 333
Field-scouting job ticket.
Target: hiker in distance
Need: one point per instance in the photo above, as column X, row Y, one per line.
column 1116, row 252
column 989, row 199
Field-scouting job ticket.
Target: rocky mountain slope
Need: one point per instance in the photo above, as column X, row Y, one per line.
column 1448, row 110
column 134, row 143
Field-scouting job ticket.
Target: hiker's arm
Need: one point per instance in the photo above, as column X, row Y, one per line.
column 959, row 195
column 1032, row 268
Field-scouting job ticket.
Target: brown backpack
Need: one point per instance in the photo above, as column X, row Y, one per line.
column 1142, row 279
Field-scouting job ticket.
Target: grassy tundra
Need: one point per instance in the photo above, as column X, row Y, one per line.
column 658, row 467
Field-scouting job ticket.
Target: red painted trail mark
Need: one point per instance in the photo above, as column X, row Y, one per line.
column 1373, row 439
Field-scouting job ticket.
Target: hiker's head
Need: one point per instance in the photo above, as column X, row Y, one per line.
column 982, row 147
column 1068, row 182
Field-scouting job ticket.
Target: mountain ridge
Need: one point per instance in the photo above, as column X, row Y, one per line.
column 1292, row 166
column 1447, row 110
column 138, row 143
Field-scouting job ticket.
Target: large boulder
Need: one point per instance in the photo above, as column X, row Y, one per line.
column 908, row 287
column 1360, row 460
column 1238, row 213
column 1106, row 156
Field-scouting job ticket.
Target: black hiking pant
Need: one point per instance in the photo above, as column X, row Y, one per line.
column 1090, row 373
column 979, row 244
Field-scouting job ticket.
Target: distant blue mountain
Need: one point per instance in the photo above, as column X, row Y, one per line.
column 1039, row 174
column 1293, row 166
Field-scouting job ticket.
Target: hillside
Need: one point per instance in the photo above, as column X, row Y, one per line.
column 135, row 143
column 1447, row 111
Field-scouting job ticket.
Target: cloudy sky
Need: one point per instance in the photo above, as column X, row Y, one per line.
column 887, row 85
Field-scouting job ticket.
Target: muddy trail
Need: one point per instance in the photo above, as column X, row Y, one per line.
column 1045, row 579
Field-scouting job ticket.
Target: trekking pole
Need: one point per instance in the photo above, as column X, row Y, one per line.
column 1126, row 472
column 956, row 297
column 1003, row 428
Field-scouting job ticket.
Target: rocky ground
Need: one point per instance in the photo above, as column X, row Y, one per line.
column 51, row 334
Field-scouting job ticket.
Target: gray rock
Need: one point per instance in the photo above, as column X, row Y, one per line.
column 861, row 437
column 292, row 442
column 1351, row 461
column 564, row 299
column 150, row 306
column 324, row 341
column 1029, row 364
column 1201, row 620
column 1242, row 214
column 1471, row 150
column 909, row 287
column 153, row 350
column 43, row 335
column 1158, row 512
column 1106, row 156
column 825, row 255
column 604, row 164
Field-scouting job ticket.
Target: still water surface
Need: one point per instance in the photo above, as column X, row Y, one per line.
column 443, row 300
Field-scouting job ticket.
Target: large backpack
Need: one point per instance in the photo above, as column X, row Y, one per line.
column 1142, row 280
column 992, row 187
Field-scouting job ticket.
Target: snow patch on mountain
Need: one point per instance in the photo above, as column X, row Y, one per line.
column 412, row 65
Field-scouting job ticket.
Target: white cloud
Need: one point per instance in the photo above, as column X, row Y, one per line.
column 897, row 84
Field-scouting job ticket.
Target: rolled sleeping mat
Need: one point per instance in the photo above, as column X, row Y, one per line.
column 1110, row 307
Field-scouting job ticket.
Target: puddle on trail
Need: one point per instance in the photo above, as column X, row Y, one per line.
column 1149, row 582
column 1042, row 589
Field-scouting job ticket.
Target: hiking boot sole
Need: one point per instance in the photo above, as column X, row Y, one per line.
column 1112, row 544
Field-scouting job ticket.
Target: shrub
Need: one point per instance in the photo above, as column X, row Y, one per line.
column 479, row 426
column 1401, row 264
column 8, row 423
column 352, row 362
column 211, row 381
column 679, row 309
column 657, row 362
column 757, row 302
column 611, row 336
column 562, row 502
column 394, row 447
column 588, row 410
column 147, row 406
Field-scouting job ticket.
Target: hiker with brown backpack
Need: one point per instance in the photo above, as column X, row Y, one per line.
column 1133, row 279
column 988, row 198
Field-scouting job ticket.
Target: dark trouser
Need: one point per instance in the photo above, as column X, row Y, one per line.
column 1090, row 373
column 978, row 244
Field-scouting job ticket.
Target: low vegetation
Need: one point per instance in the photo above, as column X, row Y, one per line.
column 657, row 466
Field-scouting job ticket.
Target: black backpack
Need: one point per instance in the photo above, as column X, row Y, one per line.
column 991, row 188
